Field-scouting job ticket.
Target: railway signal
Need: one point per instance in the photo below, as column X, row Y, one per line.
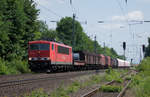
column 124, row 45
column 143, row 46
column 126, row 1
column 70, row 2
column 124, row 48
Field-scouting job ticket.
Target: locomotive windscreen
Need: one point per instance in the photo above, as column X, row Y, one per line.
column 39, row 46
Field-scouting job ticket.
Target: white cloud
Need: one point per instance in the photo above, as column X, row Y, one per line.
column 112, row 26
column 135, row 15
column 118, row 18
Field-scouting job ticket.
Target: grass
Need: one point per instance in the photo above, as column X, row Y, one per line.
column 113, row 75
column 128, row 78
column 141, row 82
column 110, row 88
column 38, row 93
column 64, row 91
column 13, row 67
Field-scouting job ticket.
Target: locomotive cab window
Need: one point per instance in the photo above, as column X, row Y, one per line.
column 63, row 50
column 52, row 46
column 39, row 46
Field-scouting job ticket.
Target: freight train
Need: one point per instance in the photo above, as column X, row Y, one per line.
column 53, row 56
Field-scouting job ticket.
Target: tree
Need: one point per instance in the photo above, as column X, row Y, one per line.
column 18, row 25
column 64, row 31
column 82, row 41
column 46, row 33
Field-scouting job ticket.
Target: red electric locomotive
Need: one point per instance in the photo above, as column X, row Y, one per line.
column 47, row 55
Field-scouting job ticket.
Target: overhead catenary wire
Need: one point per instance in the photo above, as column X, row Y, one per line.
column 128, row 22
column 122, row 10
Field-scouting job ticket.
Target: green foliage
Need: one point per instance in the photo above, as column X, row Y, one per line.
column 141, row 82
column 19, row 66
column 113, row 75
column 128, row 78
column 18, row 23
column 13, row 67
column 64, row 30
column 59, row 92
column 110, row 88
column 45, row 32
column 145, row 65
column 96, row 79
column 65, row 91
column 73, row 87
column 3, row 67
column 82, row 41
column 37, row 93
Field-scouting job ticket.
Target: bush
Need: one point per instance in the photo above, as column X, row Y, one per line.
column 113, row 75
column 3, row 67
column 128, row 78
column 64, row 92
column 141, row 82
column 143, row 88
column 96, row 79
column 18, row 66
column 109, row 88
column 37, row 93
column 22, row 66
column 60, row 92
column 73, row 87
column 15, row 66
column 145, row 65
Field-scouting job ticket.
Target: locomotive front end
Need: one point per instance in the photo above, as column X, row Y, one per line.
column 39, row 55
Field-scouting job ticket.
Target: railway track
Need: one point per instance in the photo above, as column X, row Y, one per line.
column 97, row 92
column 25, row 85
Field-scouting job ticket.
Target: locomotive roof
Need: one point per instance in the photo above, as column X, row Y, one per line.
column 44, row 41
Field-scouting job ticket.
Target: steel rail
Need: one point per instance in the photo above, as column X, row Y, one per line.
column 124, row 89
column 31, row 80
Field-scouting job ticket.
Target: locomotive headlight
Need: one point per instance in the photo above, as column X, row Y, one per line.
column 30, row 59
column 47, row 58
column 42, row 59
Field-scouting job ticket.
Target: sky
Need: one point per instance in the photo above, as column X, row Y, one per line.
column 122, row 22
